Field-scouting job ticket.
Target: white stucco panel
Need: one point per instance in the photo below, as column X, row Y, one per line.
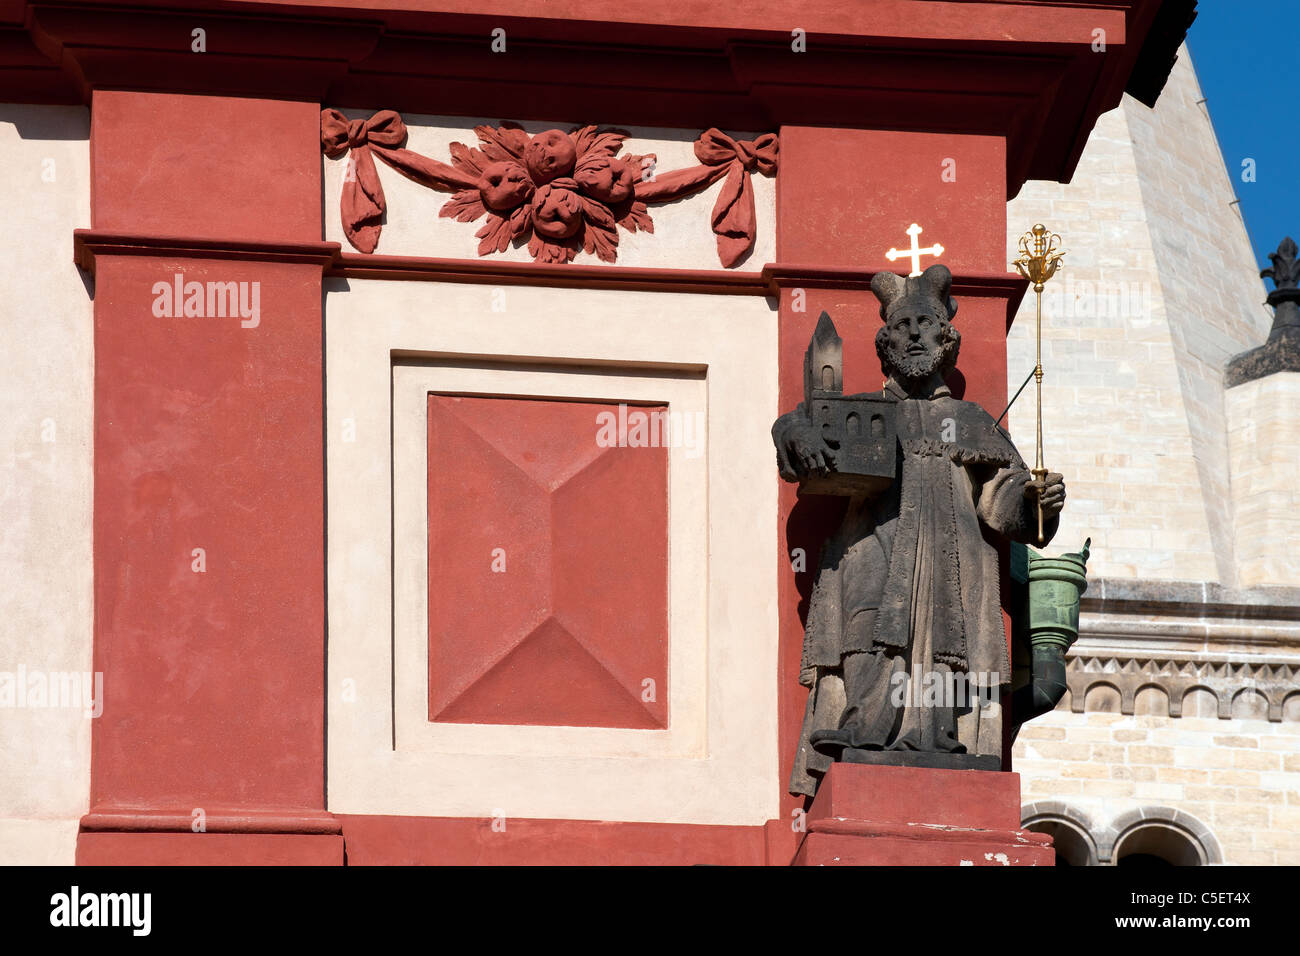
column 388, row 345
column 682, row 237
column 46, row 420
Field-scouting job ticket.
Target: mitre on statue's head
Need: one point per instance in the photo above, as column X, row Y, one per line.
column 926, row 292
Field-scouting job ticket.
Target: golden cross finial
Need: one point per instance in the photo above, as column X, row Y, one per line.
column 915, row 252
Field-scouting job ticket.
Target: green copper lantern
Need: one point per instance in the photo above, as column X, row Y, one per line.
column 1055, row 586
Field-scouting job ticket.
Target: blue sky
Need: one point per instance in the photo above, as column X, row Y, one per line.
column 1247, row 57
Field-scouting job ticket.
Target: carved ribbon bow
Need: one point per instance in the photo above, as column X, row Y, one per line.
column 362, row 205
column 734, row 219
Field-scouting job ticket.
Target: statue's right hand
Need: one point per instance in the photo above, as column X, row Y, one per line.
column 809, row 453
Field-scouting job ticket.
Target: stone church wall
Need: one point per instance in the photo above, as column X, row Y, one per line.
column 1184, row 703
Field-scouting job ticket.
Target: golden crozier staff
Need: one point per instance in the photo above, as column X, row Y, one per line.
column 1040, row 256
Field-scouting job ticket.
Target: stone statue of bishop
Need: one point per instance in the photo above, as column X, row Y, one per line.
column 908, row 588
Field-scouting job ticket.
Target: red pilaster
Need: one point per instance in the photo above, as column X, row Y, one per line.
column 844, row 197
column 209, row 480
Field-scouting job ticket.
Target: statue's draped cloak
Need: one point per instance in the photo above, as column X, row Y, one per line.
column 920, row 542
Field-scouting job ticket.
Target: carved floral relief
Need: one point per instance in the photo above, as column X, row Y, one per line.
column 559, row 192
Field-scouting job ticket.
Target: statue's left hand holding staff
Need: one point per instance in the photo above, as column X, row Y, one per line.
column 1050, row 493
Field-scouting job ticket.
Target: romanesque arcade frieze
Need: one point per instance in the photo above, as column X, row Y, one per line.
column 1270, row 685
column 557, row 192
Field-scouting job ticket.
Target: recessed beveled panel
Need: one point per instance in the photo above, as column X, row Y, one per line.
column 548, row 566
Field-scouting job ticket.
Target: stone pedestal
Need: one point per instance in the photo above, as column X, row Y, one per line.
column 867, row 815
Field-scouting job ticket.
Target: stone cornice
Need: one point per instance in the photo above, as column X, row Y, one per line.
column 791, row 275
column 1181, row 636
column 1198, row 599
column 1187, row 620
column 89, row 244
column 1026, row 72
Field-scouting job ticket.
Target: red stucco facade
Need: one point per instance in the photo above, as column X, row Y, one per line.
column 205, row 435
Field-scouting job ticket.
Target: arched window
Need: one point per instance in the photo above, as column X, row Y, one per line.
column 1073, row 848
column 1156, row 845
column 1069, row 829
column 1158, row 837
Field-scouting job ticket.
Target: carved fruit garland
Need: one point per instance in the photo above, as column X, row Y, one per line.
column 560, row 192
column 563, row 192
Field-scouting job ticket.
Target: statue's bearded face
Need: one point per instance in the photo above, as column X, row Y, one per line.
column 916, row 342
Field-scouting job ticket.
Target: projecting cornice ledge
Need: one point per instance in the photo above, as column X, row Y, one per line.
column 1190, row 599
column 1180, row 624
column 104, row 46
column 1032, row 73
column 1177, row 638
column 793, row 275
column 90, row 244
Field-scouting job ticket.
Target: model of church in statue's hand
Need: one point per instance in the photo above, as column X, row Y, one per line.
column 904, row 648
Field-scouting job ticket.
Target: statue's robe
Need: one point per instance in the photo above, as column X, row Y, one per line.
column 909, row 584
